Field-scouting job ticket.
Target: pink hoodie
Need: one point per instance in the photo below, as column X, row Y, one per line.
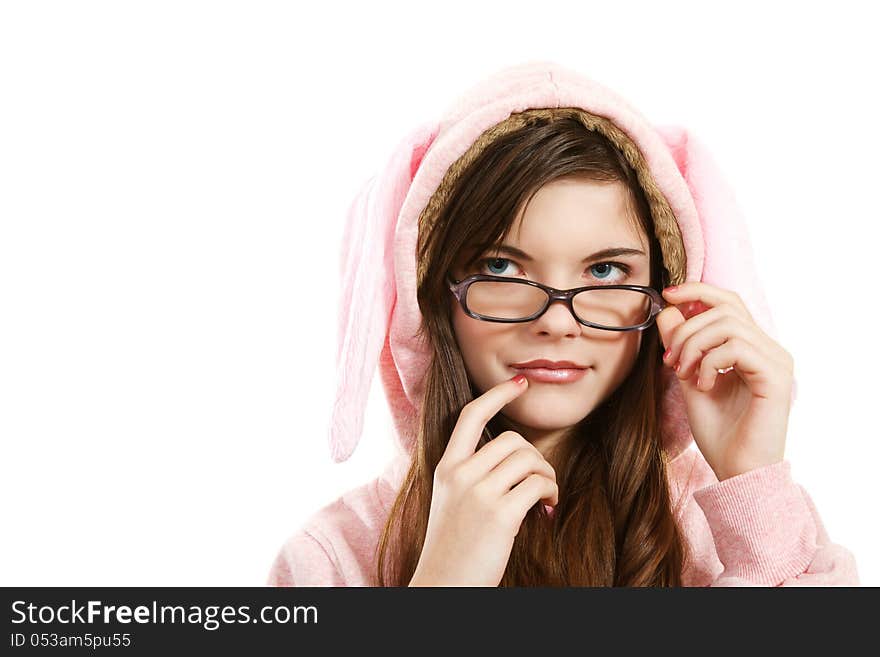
column 756, row 529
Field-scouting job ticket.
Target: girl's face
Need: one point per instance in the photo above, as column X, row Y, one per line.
column 566, row 222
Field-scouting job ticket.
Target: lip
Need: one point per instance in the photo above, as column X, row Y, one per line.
column 549, row 371
column 553, row 375
column 549, row 364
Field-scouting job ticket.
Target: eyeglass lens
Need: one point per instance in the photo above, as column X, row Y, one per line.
column 515, row 300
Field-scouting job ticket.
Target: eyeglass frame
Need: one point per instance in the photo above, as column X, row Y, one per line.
column 459, row 290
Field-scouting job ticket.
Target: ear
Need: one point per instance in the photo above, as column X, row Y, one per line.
column 367, row 289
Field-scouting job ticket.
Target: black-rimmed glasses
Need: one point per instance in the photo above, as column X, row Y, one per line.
column 609, row 307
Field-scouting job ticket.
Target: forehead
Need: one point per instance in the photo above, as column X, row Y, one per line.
column 572, row 216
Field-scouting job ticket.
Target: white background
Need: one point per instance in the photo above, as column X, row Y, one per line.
column 173, row 173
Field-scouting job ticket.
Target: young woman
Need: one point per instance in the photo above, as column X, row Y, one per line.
column 564, row 416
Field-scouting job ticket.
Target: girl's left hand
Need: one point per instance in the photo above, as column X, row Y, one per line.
column 739, row 418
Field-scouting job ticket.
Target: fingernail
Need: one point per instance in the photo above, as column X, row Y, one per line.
column 677, row 366
column 520, row 378
column 671, row 289
column 666, row 355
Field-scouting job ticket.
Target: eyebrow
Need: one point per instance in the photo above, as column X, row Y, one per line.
column 611, row 252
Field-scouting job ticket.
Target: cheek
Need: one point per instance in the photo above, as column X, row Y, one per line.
column 616, row 359
column 480, row 344
column 474, row 337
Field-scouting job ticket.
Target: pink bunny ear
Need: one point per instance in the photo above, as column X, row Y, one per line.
column 367, row 288
column 729, row 259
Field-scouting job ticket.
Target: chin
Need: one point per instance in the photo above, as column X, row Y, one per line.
column 547, row 411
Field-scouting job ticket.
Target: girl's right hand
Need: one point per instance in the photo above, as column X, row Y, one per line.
column 480, row 499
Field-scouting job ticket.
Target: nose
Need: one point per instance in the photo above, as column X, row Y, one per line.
column 558, row 318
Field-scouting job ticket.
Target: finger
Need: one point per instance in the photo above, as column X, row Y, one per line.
column 667, row 321
column 476, row 414
column 746, row 361
column 514, row 469
column 524, row 495
column 675, row 355
column 709, row 337
column 706, row 294
column 715, row 334
column 495, row 451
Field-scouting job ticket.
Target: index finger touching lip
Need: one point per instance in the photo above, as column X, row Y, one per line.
column 477, row 413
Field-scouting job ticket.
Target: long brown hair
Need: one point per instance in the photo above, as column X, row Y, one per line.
column 614, row 524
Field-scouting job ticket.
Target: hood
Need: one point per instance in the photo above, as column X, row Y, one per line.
column 699, row 226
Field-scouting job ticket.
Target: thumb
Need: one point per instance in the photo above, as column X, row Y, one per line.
column 667, row 321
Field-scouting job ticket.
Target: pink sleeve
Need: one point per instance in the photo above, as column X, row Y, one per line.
column 303, row 561
column 767, row 532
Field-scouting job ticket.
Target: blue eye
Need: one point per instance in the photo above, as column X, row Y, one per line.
column 602, row 270
column 487, row 261
column 606, row 266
